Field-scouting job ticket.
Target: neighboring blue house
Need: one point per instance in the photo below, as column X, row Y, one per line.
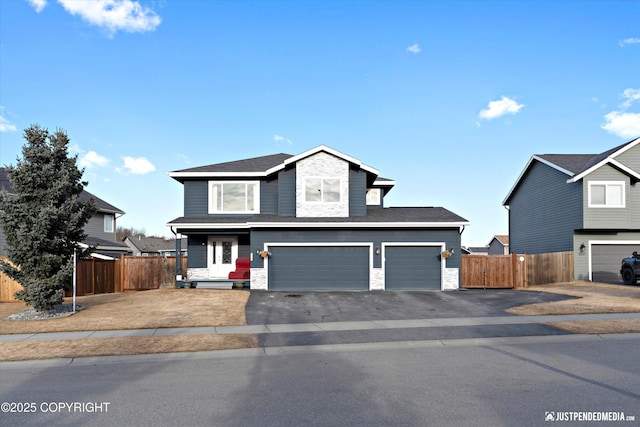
column 315, row 220
column 100, row 229
column 585, row 203
column 499, row 245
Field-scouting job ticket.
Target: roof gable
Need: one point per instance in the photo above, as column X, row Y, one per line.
column 576, row 166
column 608, row 157
column 261, row 166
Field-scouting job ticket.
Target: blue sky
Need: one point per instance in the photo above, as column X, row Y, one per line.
column 448, row 98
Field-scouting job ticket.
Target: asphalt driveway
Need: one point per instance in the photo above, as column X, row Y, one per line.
column 343, row 306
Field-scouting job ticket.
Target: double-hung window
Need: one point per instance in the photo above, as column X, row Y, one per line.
column 325, row 190
column 373, row 196
column 234, row 197
column 606, row 194
column 108, row 223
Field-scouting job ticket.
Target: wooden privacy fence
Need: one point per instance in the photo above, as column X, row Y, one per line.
column 553, row 267
column 129, row 273
column 516, row 271
column 493, row 271
column 149, row 272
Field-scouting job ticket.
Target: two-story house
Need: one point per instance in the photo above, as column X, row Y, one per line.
column 154, row 246
column 100, row 229
column 315, row 220
column 585, row 203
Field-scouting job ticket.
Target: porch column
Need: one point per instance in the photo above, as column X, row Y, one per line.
column 179, row 282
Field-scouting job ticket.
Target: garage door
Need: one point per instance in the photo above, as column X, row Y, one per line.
column 319, row 268
column 412, row 268
column 606, row 260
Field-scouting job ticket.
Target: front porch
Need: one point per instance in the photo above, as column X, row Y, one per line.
column 214, row 284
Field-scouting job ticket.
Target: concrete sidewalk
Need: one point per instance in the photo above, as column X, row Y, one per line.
column 366, row 325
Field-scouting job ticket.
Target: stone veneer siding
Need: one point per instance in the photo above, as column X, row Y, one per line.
column 322, row 165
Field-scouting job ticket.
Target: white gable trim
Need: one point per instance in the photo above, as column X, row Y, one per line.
column 609, row 159
column 329, row 150
column 526, row 169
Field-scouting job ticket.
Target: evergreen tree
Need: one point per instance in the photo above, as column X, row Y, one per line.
column 43, row 221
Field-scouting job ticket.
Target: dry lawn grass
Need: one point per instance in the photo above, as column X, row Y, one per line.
column 158, row 308
column 69, row 348
column 593, row 298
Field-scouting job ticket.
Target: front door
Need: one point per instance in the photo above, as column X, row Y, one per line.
column 222, row 255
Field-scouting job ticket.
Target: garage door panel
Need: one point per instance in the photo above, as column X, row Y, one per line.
column 319, row 268
column 413, row 268
column 606, row 260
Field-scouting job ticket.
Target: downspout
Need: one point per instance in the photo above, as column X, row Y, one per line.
column 179, row 281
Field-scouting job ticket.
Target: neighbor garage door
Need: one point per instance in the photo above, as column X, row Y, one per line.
column 606, row 260
column 319, row 268
column 412, row 268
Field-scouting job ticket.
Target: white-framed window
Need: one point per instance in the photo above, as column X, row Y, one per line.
column 606, row 194
column 322, row 190
column 109, row 221
column 373, row 196
column 234, row 196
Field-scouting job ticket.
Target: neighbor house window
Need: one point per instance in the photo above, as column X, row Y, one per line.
column 108, row 223
column 606, row 194
column 322, row 190
column 234, row 197
column 373, row 196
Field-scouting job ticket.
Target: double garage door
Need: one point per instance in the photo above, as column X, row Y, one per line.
column 606, row 260
column 348, row 267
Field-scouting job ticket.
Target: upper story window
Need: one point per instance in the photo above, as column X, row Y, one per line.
column 234, row 196
column 373, row 196
column 606, row 194
column 325, row 190
column 108, row 223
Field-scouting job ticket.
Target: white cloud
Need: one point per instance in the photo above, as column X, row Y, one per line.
column 93, row 159
column 38, row 5
column 414, row 48
column 137, row 166
column 6, row 125
column 280, row 138
column 115, row 15
column 500, row 108
column 631, row 95
column 632, row 40
column 624, row 125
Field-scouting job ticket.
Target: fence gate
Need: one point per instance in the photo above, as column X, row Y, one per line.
column 494, row 271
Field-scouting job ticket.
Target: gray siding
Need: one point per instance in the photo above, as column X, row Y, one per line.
column 197, row 251
column 613, row 218
column 95, row 227
column 196, row 198
column 287, row 192
column 357, row 193
column 269, row 197
column 544, row 211
column 377, row 236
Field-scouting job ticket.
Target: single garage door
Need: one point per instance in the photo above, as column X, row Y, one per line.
column 606, row 261
column 412, row 268
column 319, row 268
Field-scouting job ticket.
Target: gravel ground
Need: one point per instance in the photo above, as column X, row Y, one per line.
column 62, row 310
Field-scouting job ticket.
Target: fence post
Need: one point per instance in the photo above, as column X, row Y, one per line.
column 122, row 272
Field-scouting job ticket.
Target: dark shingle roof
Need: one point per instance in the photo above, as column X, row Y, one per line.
column 100, row 204
column 255, row 164
column 573, row 163
column 384, row 215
